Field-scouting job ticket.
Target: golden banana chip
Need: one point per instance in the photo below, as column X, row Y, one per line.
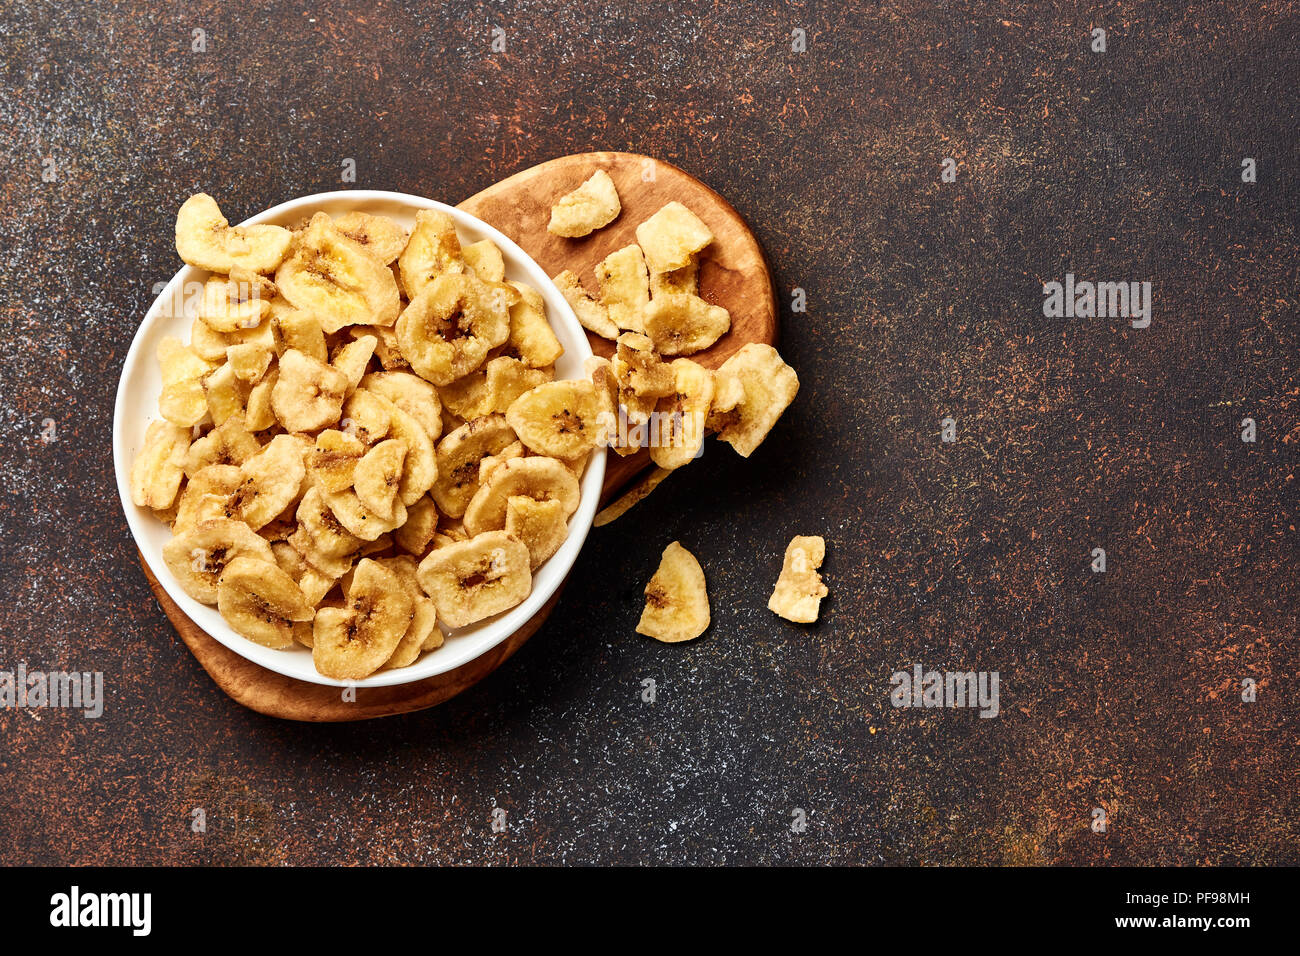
column 593, row 316
column 379, row 474
column 449, row 328
column 541, row 525
column 260, row 601
column 325, row 534
column 250, row 360
column 225, row 393
column 591, row 206
column 683, row 281
column 421, row 525
column 475, row 579
column 197, row 557
column 182, row 401
column 366, row 416
column 420, row 467
column 258, row 414
column 334, row 459
column 642, row 377
column 295, row 329
column 378, row 235
column 539, row 478
column 676, row 599
column 625, row 287
column 269, row 482
column 433, row 250
column 230, row 443
column 308, row 394
column 238, row 301
column 354, row 641
column 638, row 493
column 206, row 496
column 485, row 259
column 684, row 324
column 559, row 419
column 459, row 455
column 671, row 238
column 532, row 340
column 768, row 386
column 422, row 633
column 360, row 520
column 336, row 280
column 205, row 239
column 682, row 417
column 799, row 590
column 353, row 359
column 492, row 462
column 158, row 467
column 412, row 395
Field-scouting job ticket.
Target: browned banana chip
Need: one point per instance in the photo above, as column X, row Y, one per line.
column 684, row 324
column 559, row 419
column 238, row 301
column 387, row 350
column 318, row 522
column 354, row 641
column 683, row 281
column 671, row 238
column 467, row 397
column 308, row 394
column 270, row 481
column 294, row 329
column 421, row 525
column 642, row 377
column 681, row 417
column 366, row 416
column 353, row 358
column 412, row 395
column 422, row 633
column 541, row 525
column 676, row 599
column 485, row 259
column 158, row 467
column 799, row 590
column 433, row 250
column 230, row 443
column 182, row 401
column 261, row 602
column 250, row 360
column 334, row 459
column 638, row 493
column 206, row 496
column 591, row 206
column 540, row 478
column 769, row 387
column 593, row 316
column 378, row 235
column 205, row 239
column 449, row 328
column 532, row 340
column 378, row 476
column 625, row 287
column 196, row 558
column 336, row 280
column 475, row 579
column 459, row 455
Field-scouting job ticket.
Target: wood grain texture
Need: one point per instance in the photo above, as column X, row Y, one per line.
column 733, row 274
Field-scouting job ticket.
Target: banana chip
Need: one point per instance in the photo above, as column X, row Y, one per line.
column 412, row 395
column 354, row 641
column 542, row 479
column 225, row 393
column 258, row 414
column 541, row 525
column 360, row 520
column 230, row 443
column 485, row 259
column 260, row 601
column 205, row 239
column 196, row 558
column 768, row 386
column 421, row 525
column 334, row 460
column 559, row 419
column 684, row 324
column 337, row 280
column 158, row 467
column 422, row 632
column 492, row 462
column 593, row 316
column 420, row 466
column 459, row 455
column 449, row 328
column 676, row 599
column 250, row 360
column 625, row 287
column 642, row 377
column 239, row 301
column 683, row 281
column 353, row 358
column 799, row 590
column 591, row 206
column 638, row 493
column 366, row 416
column 308, row 394
column 671, row 238
column 378, row 235
column 294, row 329
column 378, row 476
column 183, row 401
column 325, row 535
column 475, row 579
column 683, row 416
column 433, row 250
column 532, row 340
column 206, row 496
column 269, row 482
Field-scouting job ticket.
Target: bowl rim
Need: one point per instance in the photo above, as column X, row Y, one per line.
column 489, row 633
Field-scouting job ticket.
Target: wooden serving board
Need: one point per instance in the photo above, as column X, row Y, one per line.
column 733, row 274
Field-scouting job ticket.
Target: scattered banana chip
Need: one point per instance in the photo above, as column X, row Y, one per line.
column 671, row 238
column 354, row 641
column 684, row 324
column 157, row 470
column 205, row 239
column 337, row 280
column 683, row 281
column 676, row 599
column 261, row 602
column 682, row 417
column 250, row 360
column 593, row 316
column 591, row 206
column 767, row 387
column 642, row 377
column 206, row 496
column 625, row 287
column 449, row 328
column 559, row 419
column 475, row 579
column 334, row 459
column 295, row 329
column 225, row 393
column 799, row 590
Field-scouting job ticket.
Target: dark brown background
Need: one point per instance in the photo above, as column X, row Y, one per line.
column 1120, row 690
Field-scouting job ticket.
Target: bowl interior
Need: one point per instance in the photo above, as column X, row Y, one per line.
column 137, row 404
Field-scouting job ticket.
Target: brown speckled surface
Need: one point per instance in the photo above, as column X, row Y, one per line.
column 924, row 301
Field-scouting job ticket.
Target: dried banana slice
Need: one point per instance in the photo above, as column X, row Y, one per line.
column 559, row 419
column 313, row 555
column 642, row 377
column 422, row 633
column 467, row 397
column 366, row 416
column 486, row 260
column 211, row 345
column 684, row 324
column 294, row 329
column 313, row 583
column 308, row 394
column 206, row 496
column 625, row 287
column 196, row 558
column 492, row 462
column 359, row 519
column 459, row 455
column 683, row 281
column 261, row 602
column 182, row 401
column 591, row 206
column 683, row 416
column 412, row 395
column 378, row 235
column 421, row 525
column 541, row 525
column 239, row 301
column 270, row 481
column 378, row 476
column 334, row 459
column 353, row 358
column 676, row 599
column 420, row 466
column 336, row 280
column 475, row 579
column 769, row 386
column 354, row 641
column 608, row 418
column 205, row 239
column 225, row 393
column 449, row 328
column 799, row 590
column 543, row 479
column 230, row 443
column 387, row 350
column 493, row 388
column 532, row 340
column 250, row 360
column 158, row 467
column 671, row 237
column 326, row 534
column 258, row 414
column 433, row 250
column 593, row 316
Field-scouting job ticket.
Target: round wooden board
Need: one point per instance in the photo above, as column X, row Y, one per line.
column 733, row 274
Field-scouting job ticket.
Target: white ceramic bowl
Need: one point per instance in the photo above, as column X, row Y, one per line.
column 137, row 405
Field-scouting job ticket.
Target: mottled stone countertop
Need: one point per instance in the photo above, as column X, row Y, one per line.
column 1120, row 690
